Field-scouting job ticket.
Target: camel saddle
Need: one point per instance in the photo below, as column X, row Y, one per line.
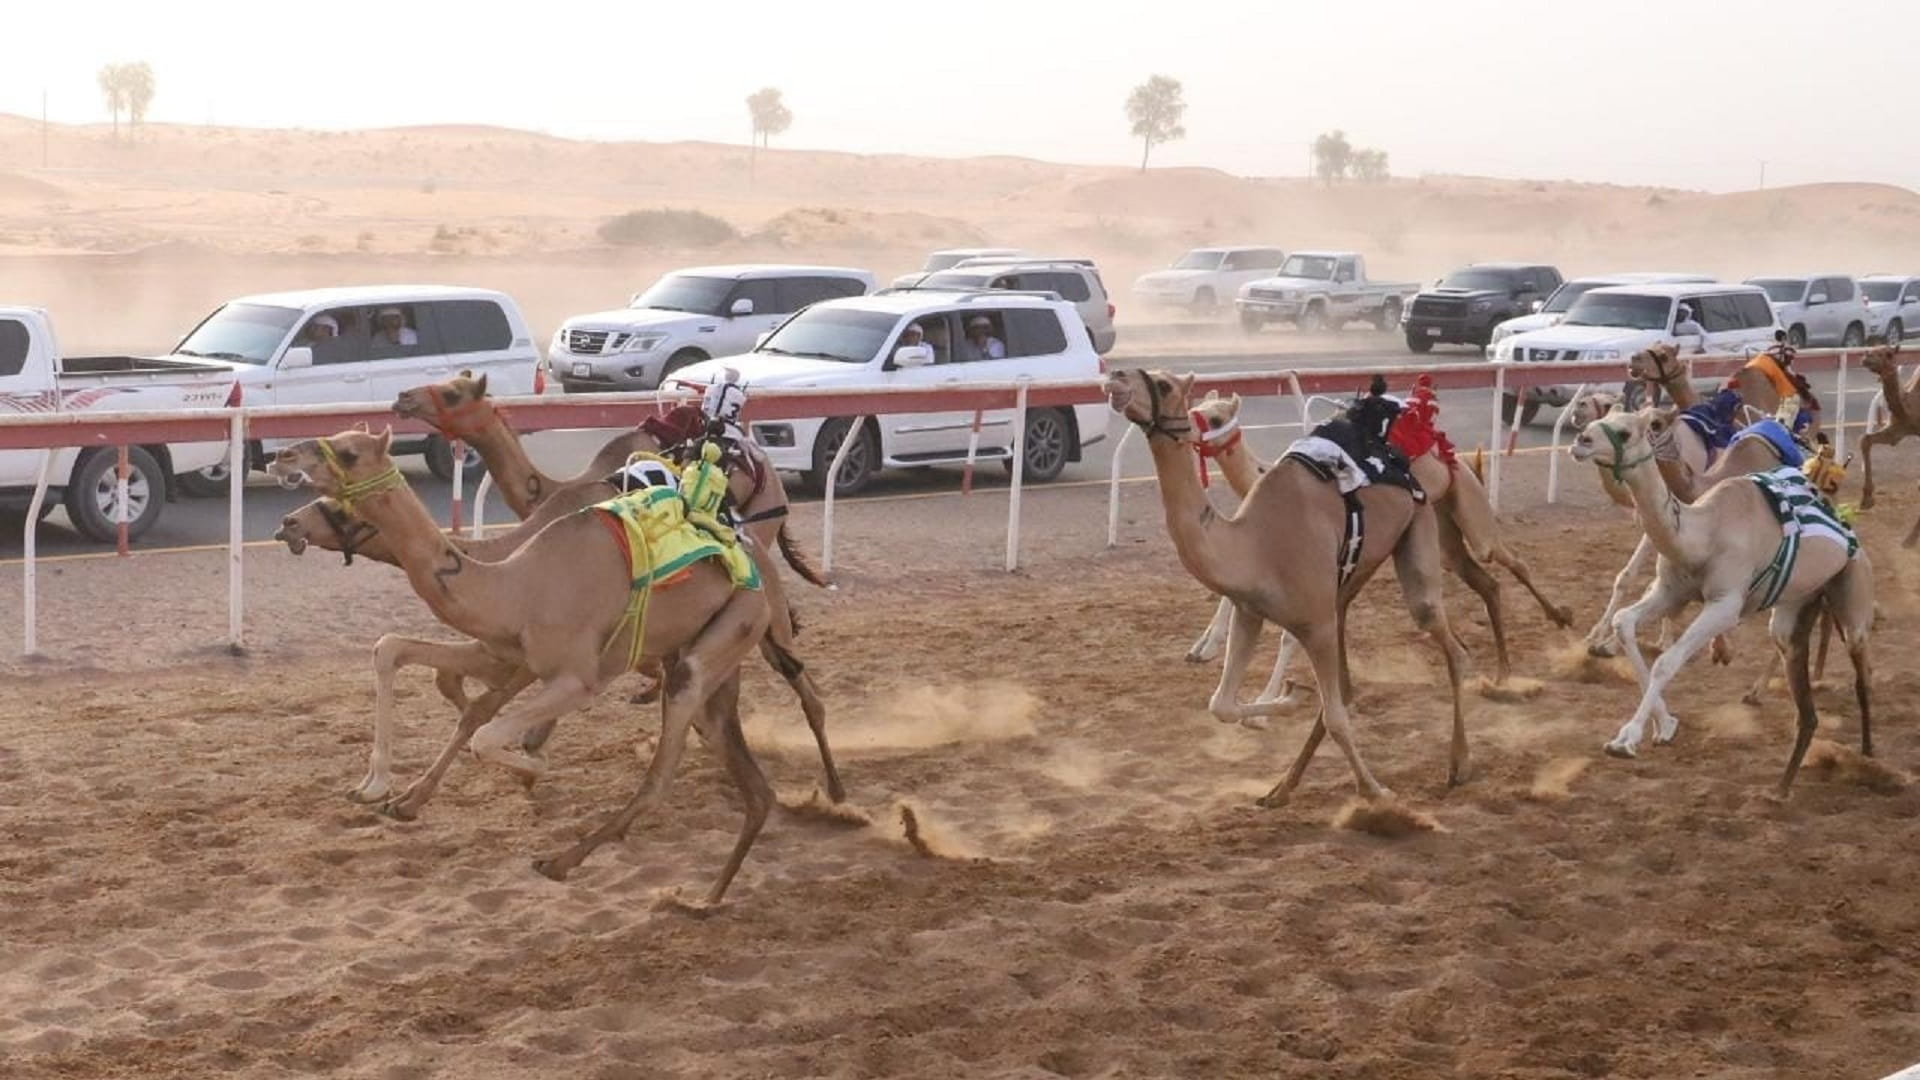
column 1713, row 421
column 1351, row 451
column 1802, row 512
column 662, row 529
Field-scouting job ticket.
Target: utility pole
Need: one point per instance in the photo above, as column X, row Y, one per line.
column 1763, row 176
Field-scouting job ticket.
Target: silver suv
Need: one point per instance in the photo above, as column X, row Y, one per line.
column 1076, row 281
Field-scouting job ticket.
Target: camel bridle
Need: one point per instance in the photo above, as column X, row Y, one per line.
column 352, row 531
column 1619, row 466
column 467, row 419
column 1157, row 424
column 352, row 491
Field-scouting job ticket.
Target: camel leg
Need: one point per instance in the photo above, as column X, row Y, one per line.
column 700, row 670
column 1716, row 617
column 1797, row 629
column 782, row 659
column 1604, row 638
column 1322, row 646
column 1279, row 691
column 393, row 652
column 453, row 687
column 1214, row 637
column 1461, row 561
column 406, row 806
column 1660, row 600
column 1826, row 638
column 1886, row 436
column 1243, row 633
column 1849, row 605
column 1758, row 693
column 723, row 713
column 1913, row 535
column 1416, row 562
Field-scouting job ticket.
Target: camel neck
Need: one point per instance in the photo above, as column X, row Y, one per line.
column 1237, row 464
column 1661, row 513
column 1191, row 521
column 456, row 588
column 1680, row 388
column 1896, row 395
column 1680, row 480
column 521, row 485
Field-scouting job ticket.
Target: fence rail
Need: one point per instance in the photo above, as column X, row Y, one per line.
column 238, row 427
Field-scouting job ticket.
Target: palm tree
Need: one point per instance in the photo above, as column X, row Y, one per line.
column 770, row 117
column 1155, row 109
column 113, row 86
column 137, row 86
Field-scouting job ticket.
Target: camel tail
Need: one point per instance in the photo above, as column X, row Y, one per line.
column 796, row 558
column 1478, row 463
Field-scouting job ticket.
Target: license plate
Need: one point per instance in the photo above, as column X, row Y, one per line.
column 1433, row 331
column 583, row 371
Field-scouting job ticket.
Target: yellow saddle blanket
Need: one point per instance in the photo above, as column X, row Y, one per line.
column 660, row 540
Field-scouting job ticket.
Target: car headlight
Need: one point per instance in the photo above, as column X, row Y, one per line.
column 1482, row 305
column 1503, row 350
column 1502, row 333
column 1601, row 354
column 642, row 342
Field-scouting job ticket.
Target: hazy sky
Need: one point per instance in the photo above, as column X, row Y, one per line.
column 1692, row 93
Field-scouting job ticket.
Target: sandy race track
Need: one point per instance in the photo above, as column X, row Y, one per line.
column 184, row 892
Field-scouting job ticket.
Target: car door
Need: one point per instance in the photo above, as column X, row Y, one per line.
column 1757, row 321
column 1719, row 314
column 340, row 372
column 1823, row 318
column 416, row 358
column 1343, row 297
column 930, row 435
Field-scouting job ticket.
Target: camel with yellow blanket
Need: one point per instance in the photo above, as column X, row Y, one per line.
column 563, row 611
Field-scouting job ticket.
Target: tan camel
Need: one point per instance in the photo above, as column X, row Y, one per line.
column 1278, row 557
column 460, row 410
column 1469, row 537
column 324, row 524
column 1726, row 550
column 1902, row 404
column 558, row 610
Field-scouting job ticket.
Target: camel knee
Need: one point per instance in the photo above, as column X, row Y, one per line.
column 1425, row 613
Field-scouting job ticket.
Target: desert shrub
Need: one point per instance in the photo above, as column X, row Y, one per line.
column 666, row 228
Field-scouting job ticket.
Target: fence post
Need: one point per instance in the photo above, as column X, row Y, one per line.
column 1840, row 395
column 973, row 450
column 1113, row 486
column 1019, row 469
column 120, row 470
column 1493, row 435
column 237, row 465
column 833, row 480
column 459, row 478
column 480, row 505
column 31, row 599
column 1553, row 455
column 1292, row 384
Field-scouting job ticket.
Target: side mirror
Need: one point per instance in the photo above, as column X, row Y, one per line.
column 742, row 306
column 913, row 356
column 298, row 356
column 1536, row 306
column 1816, row 298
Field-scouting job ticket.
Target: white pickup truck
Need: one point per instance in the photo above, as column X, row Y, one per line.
column 1318, row 290
column 35, row 378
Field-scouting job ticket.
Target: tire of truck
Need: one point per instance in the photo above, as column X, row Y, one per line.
column 1049, row 446
column 1251, row 322
column 1894, row 332
column 1855, row 336
column 856, row 472
column 1389, row 317
column 1796, row 337
column 1313, row 320
column 1203, row 302
column 1419, row 343
column 90, row 493
column 1508, row 402
column 439, row 455
column 207, row 483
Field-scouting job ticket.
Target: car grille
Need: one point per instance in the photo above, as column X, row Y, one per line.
column 1267, row 294
column 1546, row 356
column 1434, row 307
column 595, row 342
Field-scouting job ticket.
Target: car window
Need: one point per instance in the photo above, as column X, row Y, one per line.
column 1912, row 293
column 792, row 294
column 1034, row 332
column 1343, row 270
column 336, row 336
column 399, row 330
column 966, row 349
column 1253, row 260
column 1069, row 285
column 1717, row 313
column 13, row 347
column 1839, row 289
column 1757, row 313
column 470, row 326
column 758, row 290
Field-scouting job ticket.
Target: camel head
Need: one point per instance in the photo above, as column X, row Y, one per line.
column 1655, row 363
column 1882, row 359
column 455, row 408
column 325, row 524
column 1155, row 400
column 1216, row 413
column 1592, row 407
column 344, row 466
column 1617, row 441
column 1826, row 474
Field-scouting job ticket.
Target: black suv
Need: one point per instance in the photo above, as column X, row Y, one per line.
column 1466, row 305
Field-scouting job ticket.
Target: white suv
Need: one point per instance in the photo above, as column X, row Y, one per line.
column 1893, row 305
column 1818, row 310
column 1075, row 280
column 1556, row 305
column 686, row 317
column 1205, row 278
column 949, row 257
column 856, row 344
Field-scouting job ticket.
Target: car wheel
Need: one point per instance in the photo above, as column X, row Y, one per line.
column 439, row 455
column 856, row 472
column 678, row 360
column 1251, row 323
column 90, row 494
column 1389, row 317
column 1796, row 337
column 1528, row 410
column 1313, row 320
column 1419, row 343
column 1048, row 444
column 1203, row 302
column 207, row 483
column 1855, row 336
column 1895, row 332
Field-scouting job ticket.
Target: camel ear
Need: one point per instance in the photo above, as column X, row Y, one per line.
column 1212, row 395
column 1185, row 383
column 1235, row 402
column 480, row 388
column 361, row 426
column 386, row 439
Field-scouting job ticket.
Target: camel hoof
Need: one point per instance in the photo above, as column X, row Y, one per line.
column 1621, row 750
column 1456, row 776
column 552, row 869
column 1602, row 650
column 1561, row 617
column 365, row 795
column 1751, row 699
column 1866, row 501
column 1272, row 800
column 398, row 810
column 1257, row 723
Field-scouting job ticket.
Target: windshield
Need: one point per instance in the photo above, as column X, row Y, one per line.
column 1497, row 280
column 1308, row 266
column 1782, row 290
column 1620, row 309
column 241, row 333
column 824, row 333
column 942, row 260
column 1881, row 292
column 1564, row 296
column 681, row 292
column 1200, row 260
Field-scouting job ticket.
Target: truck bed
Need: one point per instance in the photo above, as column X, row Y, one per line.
column 136, row 365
